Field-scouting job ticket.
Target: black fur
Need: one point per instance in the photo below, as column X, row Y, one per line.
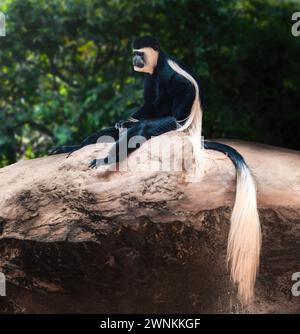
column 168, row 97
column 146, row 41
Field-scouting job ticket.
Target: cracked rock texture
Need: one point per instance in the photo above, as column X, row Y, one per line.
column 76, row 240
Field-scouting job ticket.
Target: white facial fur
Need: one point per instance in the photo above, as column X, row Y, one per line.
column 151, row 57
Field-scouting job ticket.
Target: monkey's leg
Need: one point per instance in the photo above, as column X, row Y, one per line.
column 64, row 149
column 145, row 128
column 112, row 132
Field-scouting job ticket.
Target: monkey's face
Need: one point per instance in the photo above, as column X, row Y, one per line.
column 144, row 60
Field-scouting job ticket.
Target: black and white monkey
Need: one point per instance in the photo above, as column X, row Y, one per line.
column 172, row 101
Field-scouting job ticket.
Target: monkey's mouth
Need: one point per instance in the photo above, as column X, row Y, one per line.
column 138, row 62
column 140, row 65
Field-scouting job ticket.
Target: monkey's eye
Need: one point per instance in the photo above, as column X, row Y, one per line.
column 138, row 53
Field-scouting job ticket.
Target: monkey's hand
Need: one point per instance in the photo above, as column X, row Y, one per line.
column 98, row 162
column 126, row 123
column 93, row 164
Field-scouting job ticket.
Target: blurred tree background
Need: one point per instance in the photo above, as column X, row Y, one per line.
column 65, row 67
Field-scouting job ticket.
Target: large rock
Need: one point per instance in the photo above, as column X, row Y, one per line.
column 74, row 239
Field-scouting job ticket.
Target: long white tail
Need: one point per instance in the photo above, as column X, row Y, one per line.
column 244, row 241
column 193, row 122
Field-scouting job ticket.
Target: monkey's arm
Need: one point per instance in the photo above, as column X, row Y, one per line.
column 145, row 112
column 147, row 109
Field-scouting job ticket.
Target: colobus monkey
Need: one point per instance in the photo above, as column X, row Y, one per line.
column 172, row 101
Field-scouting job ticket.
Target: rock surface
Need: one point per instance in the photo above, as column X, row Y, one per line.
column 76, row 240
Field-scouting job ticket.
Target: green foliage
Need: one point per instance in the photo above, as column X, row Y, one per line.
column 65, row 67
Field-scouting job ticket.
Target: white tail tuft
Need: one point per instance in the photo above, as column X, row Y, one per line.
column 194, row 121
column 244, row 241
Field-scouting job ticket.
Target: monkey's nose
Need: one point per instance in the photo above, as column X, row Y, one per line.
column 137, row 61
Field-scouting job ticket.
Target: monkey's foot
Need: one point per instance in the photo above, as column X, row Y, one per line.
column 64, row 149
